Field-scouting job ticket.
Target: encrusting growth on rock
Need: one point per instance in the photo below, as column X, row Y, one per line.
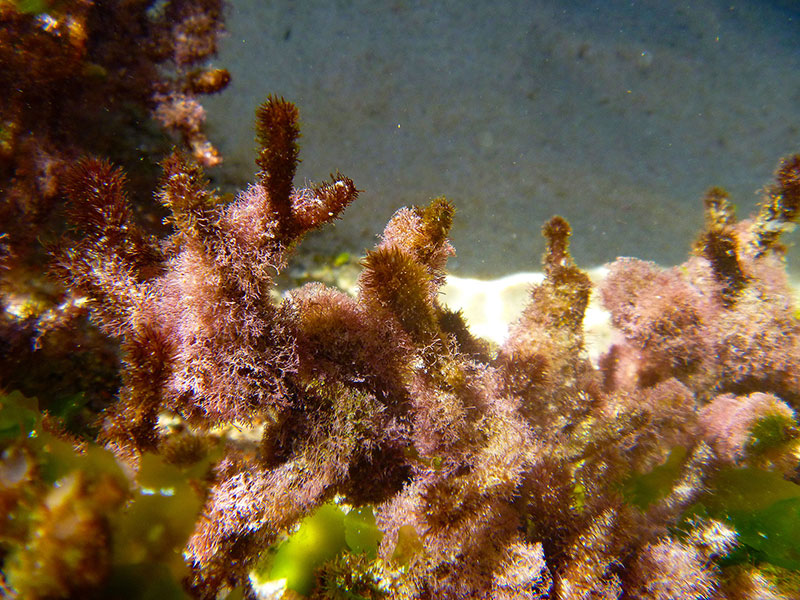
column 520, row 472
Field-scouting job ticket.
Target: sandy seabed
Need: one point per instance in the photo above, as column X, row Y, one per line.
column 616, row 115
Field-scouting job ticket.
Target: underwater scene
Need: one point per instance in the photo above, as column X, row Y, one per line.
column 356, row 299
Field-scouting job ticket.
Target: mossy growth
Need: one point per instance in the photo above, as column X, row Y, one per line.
column 349, row 577
column 401, row 285
column 786, row 581
column 6, row 138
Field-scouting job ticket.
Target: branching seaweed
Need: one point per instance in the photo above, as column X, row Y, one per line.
column 524, row 472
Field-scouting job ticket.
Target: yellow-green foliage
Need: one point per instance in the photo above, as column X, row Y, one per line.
column 771, row 432
column 324, row 536
column 643, row 489
column 764, row 509
column 81, row 523
column 31, row 6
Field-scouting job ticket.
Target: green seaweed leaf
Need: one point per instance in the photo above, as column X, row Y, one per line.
column 643, row 489
column 19, row 416
column 764, row 509
column 32, row 7
column 361, row 533
column 320, row 538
